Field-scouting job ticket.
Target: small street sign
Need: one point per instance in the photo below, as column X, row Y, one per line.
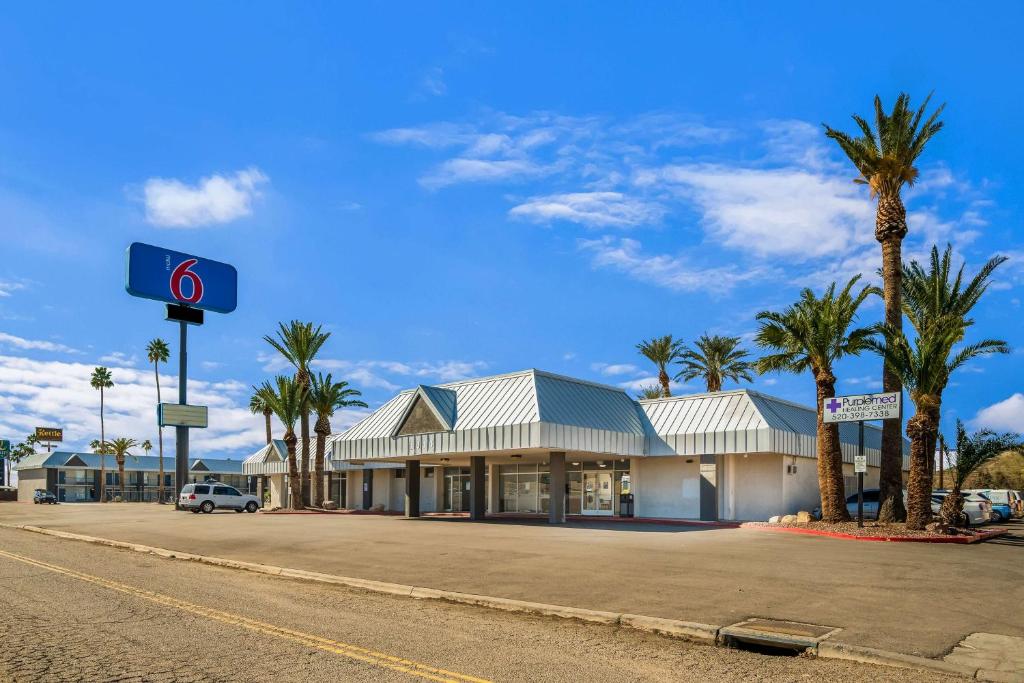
column 178, row 415
column 860, row 407
column 860, row 463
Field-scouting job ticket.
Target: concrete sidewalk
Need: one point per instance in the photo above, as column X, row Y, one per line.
column 933, row 595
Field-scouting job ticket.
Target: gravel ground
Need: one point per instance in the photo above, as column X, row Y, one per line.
column 871, row 528
column 60, row 628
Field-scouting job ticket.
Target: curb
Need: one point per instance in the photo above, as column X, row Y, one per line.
column 960, row 540
column 685, row 630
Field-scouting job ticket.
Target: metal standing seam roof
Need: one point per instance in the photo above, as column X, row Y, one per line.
column 536, row 409
column 272, row 458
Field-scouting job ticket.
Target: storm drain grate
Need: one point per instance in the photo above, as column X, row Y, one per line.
column 775, row 634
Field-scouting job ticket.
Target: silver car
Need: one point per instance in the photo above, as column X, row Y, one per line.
column 211, row 495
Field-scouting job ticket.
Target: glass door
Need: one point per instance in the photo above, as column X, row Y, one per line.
column 597, row 493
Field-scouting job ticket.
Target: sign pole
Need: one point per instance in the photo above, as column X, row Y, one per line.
column 181, row 433
column 860, row 475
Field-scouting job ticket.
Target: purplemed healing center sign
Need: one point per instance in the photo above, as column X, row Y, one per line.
column 176, row 278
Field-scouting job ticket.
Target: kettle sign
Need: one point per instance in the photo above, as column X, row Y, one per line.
column 176, row 278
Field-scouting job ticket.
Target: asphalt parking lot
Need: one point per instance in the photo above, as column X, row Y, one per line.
column 710, row 575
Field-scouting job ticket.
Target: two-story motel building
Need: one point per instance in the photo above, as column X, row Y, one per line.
column 537, row 443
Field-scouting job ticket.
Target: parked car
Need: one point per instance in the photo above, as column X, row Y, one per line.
column 870, row 505
column 211, row 495
column 1001, row 503
column 977, row 510
column 42, row 496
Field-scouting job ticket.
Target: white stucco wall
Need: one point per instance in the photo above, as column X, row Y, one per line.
column 278, row 494
column 666, row 486
column 428, row 489
column 354, row 490
column 28, row 482
column 753, row 486
column 800, row 487
column 396, row 501
column 382, row 489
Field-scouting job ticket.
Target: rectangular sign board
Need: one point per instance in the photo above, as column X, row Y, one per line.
column 176, row 278
column 50, row 433
column 860, row 463
column 862, row 407
column 177, row 415
column 5, row 448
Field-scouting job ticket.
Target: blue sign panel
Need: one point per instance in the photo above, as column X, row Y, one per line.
column 176, row 278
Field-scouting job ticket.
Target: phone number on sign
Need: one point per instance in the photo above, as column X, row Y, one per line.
column 857, row 415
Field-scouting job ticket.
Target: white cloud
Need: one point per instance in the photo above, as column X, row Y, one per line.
column 33, row 344
column 1006, row 415
column 614, row 368
column 772, row 212
column 8, row 287
column 602, row 209
column 120, row 359
column 215, row 199
column 671, row 272
column 432, row 82
column 394, row 375
column 463, row 170
column 641, row 383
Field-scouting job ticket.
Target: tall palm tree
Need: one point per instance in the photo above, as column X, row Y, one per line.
column 258, row 405
column 662, row 351
column 715, row 359
column 934, row 298
column 813, row 334
column 325, row 397
column 119, row 449
column 885, row 157
column 158, row 352
column 973, row 451
column 923, row 368
column 287, row 397
column 102, row 379
column 299, row 343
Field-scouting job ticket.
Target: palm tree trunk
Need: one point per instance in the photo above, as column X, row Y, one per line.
column 103, row 451
column 120, row 475
column 266, row 417
column 318, row 468
column 830, row 456
column 305, row 457
column 160, row 437
column 664, row 380
column 919, row 489
column 294, row 483
column 890, row 229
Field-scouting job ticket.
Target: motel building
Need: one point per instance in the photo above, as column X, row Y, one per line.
column 74, row 477
column 533, row 443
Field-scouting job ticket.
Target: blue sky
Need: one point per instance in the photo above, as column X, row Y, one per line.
column 463, row 189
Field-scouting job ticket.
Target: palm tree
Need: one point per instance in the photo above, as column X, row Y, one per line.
column 325, row 397
column 258, row 405
column 813, row 334
column 715, row 359
column 885, row 158
column 102, row 379
column 972, row 451
column 936, row 299
column 286, row 398
column 662, row 351
column 119, row 449
column 299, row 343
column 158, row 352
column 649, row 391
column 923, row 368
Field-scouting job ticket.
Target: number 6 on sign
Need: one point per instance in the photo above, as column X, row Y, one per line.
column 177, row 278
column 182, row 272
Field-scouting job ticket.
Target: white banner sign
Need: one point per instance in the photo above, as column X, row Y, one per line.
column 862, row 407
column 860, row 463
column 177, row 415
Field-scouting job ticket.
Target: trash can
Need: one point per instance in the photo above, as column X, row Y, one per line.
column 626, row 505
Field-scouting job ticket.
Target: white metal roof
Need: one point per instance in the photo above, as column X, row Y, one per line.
column 273, row 459
column 536, row 409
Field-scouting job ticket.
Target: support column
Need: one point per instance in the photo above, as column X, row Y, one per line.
column 412, row 488
column 556, row 509
column 477, row 494
column 708, row 488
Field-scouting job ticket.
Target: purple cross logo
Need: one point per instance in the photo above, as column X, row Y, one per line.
column 833, row 405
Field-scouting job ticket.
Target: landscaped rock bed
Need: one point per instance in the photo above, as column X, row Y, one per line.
column 876, row 531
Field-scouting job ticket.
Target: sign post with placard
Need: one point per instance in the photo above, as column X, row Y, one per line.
column 860, row 408
column 188, row 285
column 49, row 436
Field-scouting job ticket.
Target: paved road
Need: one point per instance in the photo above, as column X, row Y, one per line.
column 78, row 612
column 881, row 594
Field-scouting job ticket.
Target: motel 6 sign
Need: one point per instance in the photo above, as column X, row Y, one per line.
column 861, row 407
column 176, row 278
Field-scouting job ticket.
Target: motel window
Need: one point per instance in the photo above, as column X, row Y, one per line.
column 400, row 474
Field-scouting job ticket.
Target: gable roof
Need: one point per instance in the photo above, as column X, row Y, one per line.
column 439, row 401
column 144, row 463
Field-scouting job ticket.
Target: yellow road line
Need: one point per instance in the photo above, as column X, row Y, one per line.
column 355, row 652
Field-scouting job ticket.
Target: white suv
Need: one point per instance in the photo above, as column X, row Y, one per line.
column 208, row 496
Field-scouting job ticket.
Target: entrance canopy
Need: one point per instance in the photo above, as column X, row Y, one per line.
column 534, row 412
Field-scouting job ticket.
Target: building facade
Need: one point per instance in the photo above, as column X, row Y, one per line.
column 74, row 477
